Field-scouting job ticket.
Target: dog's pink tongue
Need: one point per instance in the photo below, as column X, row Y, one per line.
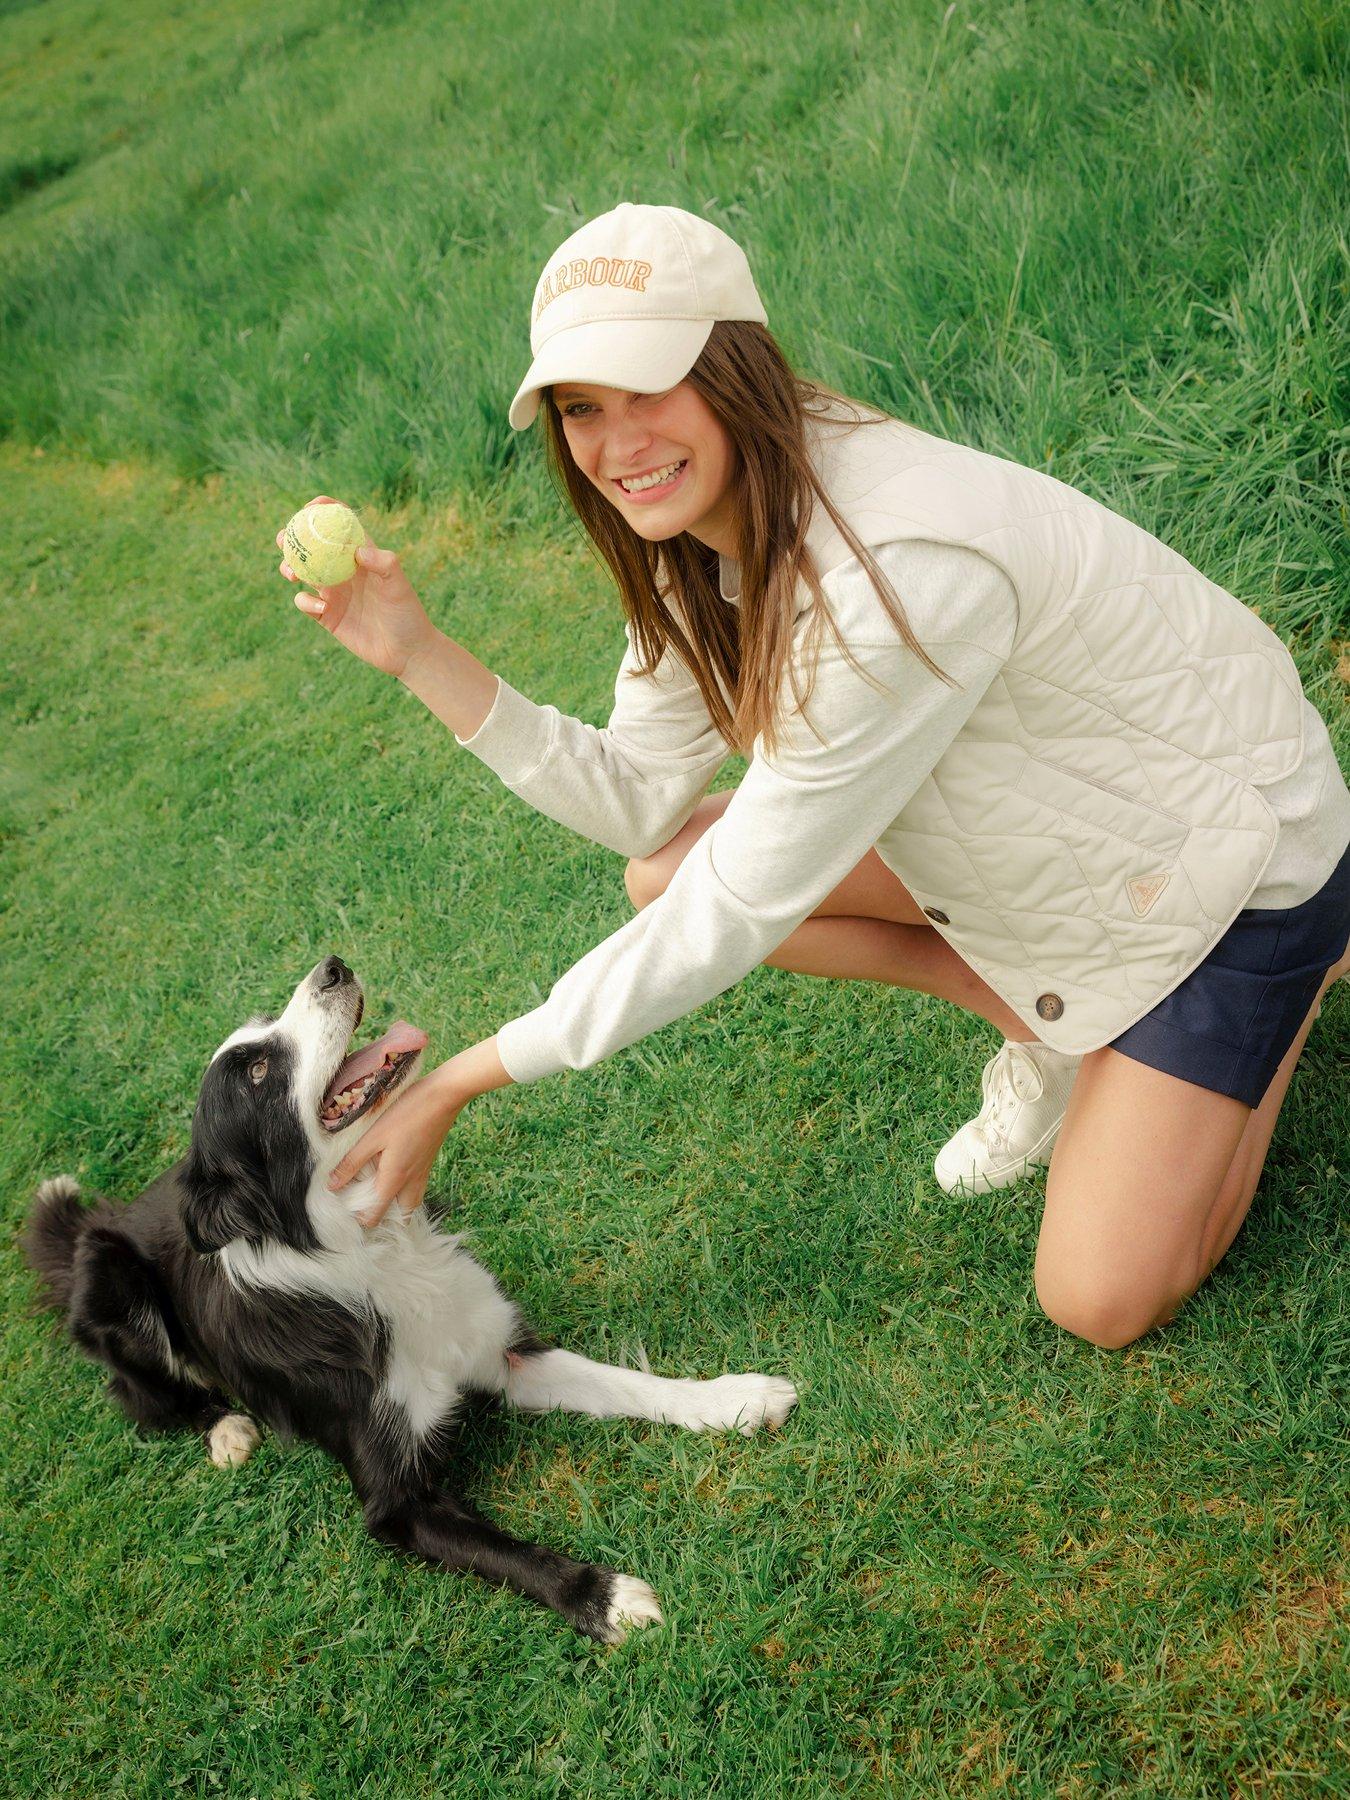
column 399, row 1038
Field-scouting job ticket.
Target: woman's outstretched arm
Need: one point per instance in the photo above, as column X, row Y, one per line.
column 801, row 817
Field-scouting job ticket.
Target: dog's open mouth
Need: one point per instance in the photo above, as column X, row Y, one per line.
column 365, row 1077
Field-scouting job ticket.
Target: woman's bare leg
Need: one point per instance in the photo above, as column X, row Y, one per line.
column 1149, row 1183
column 1151, row 1177
column 869, row 928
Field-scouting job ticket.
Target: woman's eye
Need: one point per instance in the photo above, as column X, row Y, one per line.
column 258, row 1071
column 570, row 411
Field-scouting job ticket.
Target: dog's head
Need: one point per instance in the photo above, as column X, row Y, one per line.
column 281, row 1103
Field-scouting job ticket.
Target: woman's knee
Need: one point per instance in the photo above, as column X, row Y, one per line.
column 1101, row 1306
column 645, row 878
column 648, row 876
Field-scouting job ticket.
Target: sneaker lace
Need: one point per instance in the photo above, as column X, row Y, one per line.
column 1011, row 1077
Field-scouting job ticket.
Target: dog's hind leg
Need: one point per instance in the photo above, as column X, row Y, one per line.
column 447, row 1531
column 538, row 1380
column 119, row 1315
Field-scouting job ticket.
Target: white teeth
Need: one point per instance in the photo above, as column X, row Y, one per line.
column 350, row 1097
column 654, row 479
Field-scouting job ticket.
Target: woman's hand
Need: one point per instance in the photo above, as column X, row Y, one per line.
column 405, row 1139
column 376, row 615
column 403, row 1142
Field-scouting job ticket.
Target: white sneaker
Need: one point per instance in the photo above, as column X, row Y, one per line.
column 1026, row 1093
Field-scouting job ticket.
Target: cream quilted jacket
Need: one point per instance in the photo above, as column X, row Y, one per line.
column 1098, row 822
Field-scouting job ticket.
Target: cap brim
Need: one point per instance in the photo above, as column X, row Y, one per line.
column 642, row 356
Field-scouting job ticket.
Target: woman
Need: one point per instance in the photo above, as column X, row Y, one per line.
column 1065, row 762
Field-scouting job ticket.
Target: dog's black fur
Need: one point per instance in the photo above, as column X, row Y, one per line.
column 236, row 1277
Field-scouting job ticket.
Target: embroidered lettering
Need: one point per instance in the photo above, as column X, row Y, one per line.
column 1143, row 891
column 601, row 271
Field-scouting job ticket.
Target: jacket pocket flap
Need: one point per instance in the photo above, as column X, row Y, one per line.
column 1105, row 808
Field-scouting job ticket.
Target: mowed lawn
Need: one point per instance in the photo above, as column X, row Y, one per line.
column 251, row 255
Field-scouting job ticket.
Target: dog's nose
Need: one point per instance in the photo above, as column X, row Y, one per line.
column 333, row 972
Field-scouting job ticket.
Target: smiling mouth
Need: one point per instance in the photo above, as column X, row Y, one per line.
column 672, row 473
column 364, row 1078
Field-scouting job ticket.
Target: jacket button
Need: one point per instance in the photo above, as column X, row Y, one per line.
column 935, row 912
column 1049, row 1006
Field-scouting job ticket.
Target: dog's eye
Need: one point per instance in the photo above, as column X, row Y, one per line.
column 258, row 1070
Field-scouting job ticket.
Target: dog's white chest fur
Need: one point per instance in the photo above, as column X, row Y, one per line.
column 449, row 1323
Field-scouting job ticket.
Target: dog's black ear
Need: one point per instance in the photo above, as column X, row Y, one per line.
column 247, row 1179
column 248, row 1170
column 223, row 1199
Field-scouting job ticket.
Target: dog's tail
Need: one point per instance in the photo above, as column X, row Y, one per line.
column 50, row 1237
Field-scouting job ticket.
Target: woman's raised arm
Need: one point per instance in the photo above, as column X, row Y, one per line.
column 378, row 617
column 628, row 785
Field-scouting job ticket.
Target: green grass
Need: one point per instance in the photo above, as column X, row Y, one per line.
column 982, row 1557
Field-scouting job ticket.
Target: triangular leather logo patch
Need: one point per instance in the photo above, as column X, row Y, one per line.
column 1143, row 891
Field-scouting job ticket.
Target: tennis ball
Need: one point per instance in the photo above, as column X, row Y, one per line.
column 321, row 543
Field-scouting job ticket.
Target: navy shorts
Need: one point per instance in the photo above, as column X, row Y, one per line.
column 1230, row 1022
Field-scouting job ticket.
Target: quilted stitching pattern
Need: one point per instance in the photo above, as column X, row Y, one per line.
column 1140, row 711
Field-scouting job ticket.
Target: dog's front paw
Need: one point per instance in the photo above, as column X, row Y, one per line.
column 743, row 1403
column 232, row 1440
column 631, row 1604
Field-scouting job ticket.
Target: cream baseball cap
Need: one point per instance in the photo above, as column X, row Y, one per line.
column 630, row 300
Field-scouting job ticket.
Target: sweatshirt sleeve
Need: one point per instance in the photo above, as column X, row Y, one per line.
column 800, row 820
column 629, row 785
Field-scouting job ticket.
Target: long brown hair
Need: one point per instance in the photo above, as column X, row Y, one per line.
column 762, row 405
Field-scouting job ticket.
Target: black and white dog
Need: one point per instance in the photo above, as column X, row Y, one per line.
column 238, row 1277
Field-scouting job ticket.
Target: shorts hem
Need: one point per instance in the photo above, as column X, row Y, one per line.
column 1198, row 1060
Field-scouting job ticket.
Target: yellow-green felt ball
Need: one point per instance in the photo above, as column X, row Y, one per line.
column 321, row 543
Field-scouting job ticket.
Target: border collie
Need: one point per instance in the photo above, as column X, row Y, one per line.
column 238, row 1279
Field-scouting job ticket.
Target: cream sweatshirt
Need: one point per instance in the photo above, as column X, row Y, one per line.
column 801, row 819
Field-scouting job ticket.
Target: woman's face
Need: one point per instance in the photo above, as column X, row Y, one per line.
column 613, row 434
